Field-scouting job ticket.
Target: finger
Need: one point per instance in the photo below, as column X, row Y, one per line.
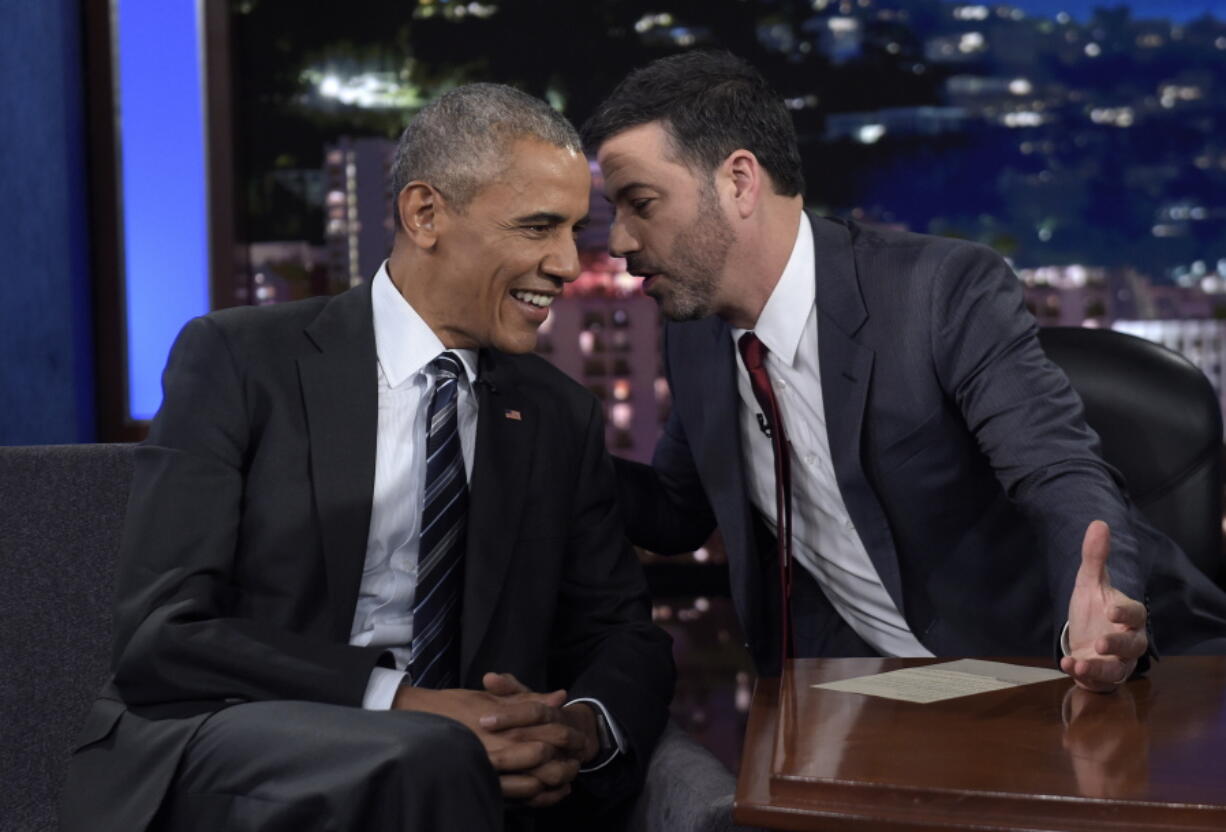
column 556, row 773
column 520, row 786
column 1101, row 675
column 521, row 756
column 1130, row 644
column 553, row 699
column 561, row 736
column 503, row 684
column 1095, row 548
column 1127, row 612
column 549, row 797
column 519, row 714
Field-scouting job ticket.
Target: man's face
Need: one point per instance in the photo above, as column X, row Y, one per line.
column 507, row 254
column 667, row 223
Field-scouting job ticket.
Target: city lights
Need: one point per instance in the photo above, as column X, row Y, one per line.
column 1114, row 116
column 870, row 133
column 971, row 13
column 368, row 90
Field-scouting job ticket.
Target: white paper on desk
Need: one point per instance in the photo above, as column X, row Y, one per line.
column 947, row 680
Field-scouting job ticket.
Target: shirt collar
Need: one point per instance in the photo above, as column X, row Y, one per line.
column 783, row 318
column 404, row 343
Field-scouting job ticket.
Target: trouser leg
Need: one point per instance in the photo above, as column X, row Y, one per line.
column 303, row 766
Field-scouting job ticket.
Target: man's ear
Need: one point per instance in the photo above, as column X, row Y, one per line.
column 744, row 177
column 421, row 210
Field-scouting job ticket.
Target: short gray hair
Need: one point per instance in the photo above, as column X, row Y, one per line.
column 458, row 143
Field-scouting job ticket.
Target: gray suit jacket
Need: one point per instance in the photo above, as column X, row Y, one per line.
column 960, row 451
column 246, row 535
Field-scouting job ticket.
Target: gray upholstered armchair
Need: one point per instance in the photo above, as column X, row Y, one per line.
column 61, row 512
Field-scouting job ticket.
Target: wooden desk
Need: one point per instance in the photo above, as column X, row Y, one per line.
column 1151, row 756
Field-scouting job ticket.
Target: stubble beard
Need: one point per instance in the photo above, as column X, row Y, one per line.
column 696, row 263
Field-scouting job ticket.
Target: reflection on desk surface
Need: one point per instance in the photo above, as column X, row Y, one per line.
column 1160, row 739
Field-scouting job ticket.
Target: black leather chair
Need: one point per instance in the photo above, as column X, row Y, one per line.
column 1160, row 424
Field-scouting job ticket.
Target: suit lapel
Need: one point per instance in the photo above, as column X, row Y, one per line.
column 846, row 370
column 506, row 432
column 711, row 410
column 340, row 396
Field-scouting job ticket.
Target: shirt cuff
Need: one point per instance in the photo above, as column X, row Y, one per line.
column 618, row 739
column 381, row 688
column 1064, row 645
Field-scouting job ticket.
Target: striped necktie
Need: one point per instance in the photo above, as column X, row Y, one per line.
column 434, row 660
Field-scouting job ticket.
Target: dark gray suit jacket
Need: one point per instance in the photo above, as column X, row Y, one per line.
column 960, row 451
column 246, row 536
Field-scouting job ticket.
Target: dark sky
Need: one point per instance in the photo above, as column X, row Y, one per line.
column 1145, row 9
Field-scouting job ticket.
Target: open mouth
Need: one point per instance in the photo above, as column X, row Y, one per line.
column 534, row 298
column 534, row 304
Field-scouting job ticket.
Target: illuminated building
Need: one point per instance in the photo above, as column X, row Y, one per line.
column 605, row 333
column 868, row 127
column 1203, row 342
column 357, row 208
column 285, row 271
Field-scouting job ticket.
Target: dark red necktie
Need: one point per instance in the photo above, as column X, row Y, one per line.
column 753, row 353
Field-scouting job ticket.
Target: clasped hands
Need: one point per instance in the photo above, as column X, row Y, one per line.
column 1106, row 628
column 534, row 744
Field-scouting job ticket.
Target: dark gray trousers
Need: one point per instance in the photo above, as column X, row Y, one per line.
column 311, row 767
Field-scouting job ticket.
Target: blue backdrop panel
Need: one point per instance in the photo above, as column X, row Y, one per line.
column 46, row 362
column 163, row 181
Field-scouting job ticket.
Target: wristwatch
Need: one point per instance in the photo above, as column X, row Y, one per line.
column 608, row 746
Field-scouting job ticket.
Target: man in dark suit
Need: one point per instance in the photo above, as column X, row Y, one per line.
column 865, row 414
column 373, row 574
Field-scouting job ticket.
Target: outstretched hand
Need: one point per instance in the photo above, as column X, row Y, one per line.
column 1106, row 627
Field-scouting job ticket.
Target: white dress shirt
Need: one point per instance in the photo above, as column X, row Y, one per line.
column 405, row 345
column 824, row 539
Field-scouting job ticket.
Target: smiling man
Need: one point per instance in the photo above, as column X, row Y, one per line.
column 373, row 574
column 866, row 414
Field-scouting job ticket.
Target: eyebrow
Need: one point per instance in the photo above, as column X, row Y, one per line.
column 549, row 218
column 541, row 218
column 629, row 186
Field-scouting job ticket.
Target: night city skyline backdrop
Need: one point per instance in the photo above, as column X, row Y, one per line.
column 1083, row 142
column 1178, row 10
column 1055, row 141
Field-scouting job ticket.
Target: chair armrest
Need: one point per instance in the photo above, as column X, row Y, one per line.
column 687, row 789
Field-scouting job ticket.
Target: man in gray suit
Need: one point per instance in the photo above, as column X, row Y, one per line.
column 373, row 573
column 895, row 467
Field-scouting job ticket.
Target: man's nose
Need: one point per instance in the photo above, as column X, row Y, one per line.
column 621, row 241
column 563, row 262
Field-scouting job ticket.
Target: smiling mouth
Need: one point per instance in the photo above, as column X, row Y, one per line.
column 537, row 299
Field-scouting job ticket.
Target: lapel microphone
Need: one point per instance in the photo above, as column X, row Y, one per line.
column 764, row 426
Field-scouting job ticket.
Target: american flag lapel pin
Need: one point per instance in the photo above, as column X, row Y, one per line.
column 514, row 415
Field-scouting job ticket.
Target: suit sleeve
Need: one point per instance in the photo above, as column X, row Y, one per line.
column 666, row 508
column 1027, row 420
column 174, row 637
column 604, row 645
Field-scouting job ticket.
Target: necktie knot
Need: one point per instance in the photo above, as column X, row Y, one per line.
column 446, row 365
column 753, row 351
